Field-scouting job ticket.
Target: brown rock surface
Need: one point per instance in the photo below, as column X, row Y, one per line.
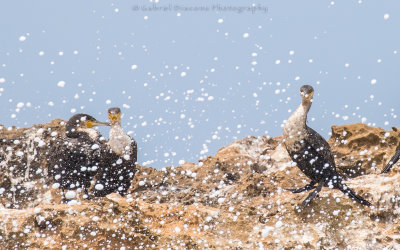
column 235, row 199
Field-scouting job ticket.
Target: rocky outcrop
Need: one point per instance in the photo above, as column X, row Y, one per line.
column 23, row 173
column 234, row 199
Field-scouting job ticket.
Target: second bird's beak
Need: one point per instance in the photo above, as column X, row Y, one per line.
column 114, row 117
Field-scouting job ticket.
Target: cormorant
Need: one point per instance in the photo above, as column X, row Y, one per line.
column 392, row 161
column 74, row 158
column 312, row 153
column 118, row 165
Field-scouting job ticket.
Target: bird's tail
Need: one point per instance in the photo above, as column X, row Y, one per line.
column 350, row 193
column 392, row 161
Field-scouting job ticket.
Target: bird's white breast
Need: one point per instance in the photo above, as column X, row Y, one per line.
column 294, row 129
column 119, row 142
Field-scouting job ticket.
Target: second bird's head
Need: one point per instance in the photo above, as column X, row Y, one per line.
column 114, row 114
column 307, row 93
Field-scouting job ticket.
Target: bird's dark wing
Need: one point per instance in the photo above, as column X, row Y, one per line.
column 321, row 146
column 392, row 161
column 115, row 172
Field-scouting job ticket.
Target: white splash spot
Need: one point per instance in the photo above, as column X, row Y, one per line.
column 134, row 66
column 386, row 16
column 265, row 231
column 22, row 38
column 95, row 146
column 245, row 35
column 183, row 74
column 99, row 186
column 373, row 81
column 61, row 84
column 70, row 194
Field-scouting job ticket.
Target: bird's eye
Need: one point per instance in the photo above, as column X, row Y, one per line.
column 89, row 124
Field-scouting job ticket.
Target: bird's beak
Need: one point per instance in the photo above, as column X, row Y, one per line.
column 307, row 97
column 91, row 124
column 114, row 117
column 97, row 123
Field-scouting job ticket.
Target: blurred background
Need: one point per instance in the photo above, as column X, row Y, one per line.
column 193, row 76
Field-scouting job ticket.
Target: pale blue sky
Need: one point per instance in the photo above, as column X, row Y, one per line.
column 202, row 79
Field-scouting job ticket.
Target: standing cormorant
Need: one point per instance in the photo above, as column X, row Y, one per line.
column 392, row 161
column 118, row 165
column 312, row 153
column 74, row 158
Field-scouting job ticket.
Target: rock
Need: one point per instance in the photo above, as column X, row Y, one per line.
column 234, row 199
column 360, row 149
column 23, row 172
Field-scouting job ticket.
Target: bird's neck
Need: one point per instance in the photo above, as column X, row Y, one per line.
column 299, row 118
column 116, row 131
column 118, row 140
column 302, row 111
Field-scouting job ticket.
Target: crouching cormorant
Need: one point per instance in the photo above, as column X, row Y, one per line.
column 312, row 153
column 392, row 161
column 118, row 164
column 74, row 157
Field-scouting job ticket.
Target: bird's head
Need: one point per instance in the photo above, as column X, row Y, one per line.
column 307, row 93
column 114, row 114
column 81, row 122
